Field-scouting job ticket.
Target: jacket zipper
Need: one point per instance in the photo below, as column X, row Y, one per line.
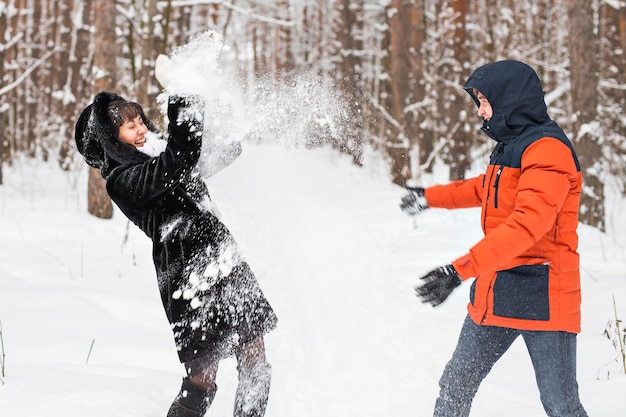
column 495, row 156
column 495, row 186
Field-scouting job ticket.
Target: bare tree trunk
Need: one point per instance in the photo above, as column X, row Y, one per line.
column 152, row 44
column 77, row 24
column 106, row 48
column 584, row 73
column 98, row 202
column 17, row 29
column 406, row 85
column 461, row 142
column 3, row 118
column 399, row 67
column 613, row 35
column 349, row 34
column 31, row 53
column 285, row 60
column 62, row 34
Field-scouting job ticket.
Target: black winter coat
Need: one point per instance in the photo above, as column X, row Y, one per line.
column 211, row 297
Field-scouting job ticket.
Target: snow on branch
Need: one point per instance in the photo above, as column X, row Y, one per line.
column 11, row 42
column 247, row 12
column 612, row 85
column 5, row 89
column 388, row 117
column 555, row 94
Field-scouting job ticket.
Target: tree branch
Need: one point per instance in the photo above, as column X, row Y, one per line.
column 26, row 73
column 240, row 10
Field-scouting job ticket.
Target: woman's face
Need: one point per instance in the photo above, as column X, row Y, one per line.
column 132, row 132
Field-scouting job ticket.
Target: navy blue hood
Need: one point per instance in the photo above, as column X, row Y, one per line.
column 516, row 96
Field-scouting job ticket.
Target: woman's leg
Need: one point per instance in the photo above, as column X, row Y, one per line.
column 198, row 389
column 478, row 349
column 202, row 373
column 254, row 380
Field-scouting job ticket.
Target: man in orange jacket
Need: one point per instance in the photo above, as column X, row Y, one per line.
column 526, row 268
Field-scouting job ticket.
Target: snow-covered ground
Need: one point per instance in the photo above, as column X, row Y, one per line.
column 84, row 333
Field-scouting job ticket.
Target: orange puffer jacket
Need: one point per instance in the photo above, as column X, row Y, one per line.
column 527, row 265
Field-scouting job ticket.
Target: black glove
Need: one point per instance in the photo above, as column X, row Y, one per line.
column 185, row 109
column 414, row 202
column 438, row 284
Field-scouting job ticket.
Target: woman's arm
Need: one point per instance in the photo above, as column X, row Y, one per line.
column 141, row 184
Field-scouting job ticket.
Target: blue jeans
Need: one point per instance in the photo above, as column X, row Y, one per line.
column 553, row 355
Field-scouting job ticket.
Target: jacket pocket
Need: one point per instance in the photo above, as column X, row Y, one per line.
column 522, row 293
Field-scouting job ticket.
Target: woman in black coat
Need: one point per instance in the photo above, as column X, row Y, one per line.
column 211, row 298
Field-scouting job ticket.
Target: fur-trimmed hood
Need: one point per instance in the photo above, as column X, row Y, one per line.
column 97, row 137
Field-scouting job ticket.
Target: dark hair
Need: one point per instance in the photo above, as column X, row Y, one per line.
column 121, row 111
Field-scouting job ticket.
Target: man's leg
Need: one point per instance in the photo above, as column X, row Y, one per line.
column 478, row 349
column 254, row 380
column 553, row 355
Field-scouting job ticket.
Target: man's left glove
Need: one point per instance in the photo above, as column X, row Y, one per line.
column 414, row 202
column 438, row 284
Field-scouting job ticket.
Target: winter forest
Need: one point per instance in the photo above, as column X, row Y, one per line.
column 397, row 67
column 338, row 104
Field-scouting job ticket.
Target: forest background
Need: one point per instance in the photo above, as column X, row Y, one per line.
column 398, row 65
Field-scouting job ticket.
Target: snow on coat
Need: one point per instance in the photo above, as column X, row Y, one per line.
column 211, row 297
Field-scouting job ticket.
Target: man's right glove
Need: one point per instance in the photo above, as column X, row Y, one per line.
column 414, row 202
column 438, row 285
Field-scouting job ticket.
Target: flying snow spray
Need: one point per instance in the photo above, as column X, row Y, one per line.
column 297, row 113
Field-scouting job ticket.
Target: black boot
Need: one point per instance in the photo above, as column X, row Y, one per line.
column 253, row 391
column 191, row 401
